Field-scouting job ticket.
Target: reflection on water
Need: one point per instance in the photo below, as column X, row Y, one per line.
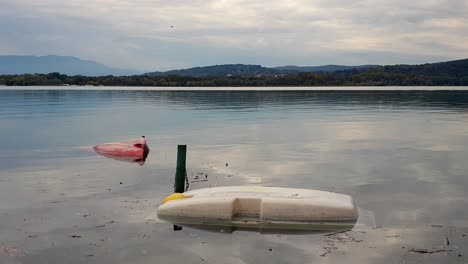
column 401, row 154
column 139, row 161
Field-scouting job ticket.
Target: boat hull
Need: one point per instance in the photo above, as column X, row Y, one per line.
column 267, row 209
column 135, row 151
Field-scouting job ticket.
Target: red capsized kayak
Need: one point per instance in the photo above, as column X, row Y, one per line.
column 131, row 151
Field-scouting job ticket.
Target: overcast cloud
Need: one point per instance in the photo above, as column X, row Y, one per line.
column 159, row 35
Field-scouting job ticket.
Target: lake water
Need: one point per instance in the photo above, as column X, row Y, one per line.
column 403, row 156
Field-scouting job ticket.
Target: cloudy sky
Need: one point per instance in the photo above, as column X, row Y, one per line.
column 160, row 35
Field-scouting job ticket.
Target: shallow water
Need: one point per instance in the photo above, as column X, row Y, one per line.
column 401, row 154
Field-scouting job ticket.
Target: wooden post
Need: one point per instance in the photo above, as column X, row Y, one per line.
column 181, row 172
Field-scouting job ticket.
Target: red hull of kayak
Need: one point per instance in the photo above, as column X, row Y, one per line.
column 131, row 151
column 119, row 149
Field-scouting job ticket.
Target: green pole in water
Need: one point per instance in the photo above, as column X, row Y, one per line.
column 181, row 171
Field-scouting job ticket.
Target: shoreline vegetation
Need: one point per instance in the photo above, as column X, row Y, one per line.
column 453, row 73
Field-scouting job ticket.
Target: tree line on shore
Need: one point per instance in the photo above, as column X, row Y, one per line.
column 441, row 74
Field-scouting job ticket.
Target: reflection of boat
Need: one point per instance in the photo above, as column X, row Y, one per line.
column 140, row 161
column 134, row 151
column 264, row 209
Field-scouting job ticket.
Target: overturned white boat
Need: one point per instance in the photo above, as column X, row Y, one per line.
column 264, row 209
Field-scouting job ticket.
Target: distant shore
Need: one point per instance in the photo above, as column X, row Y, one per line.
column 343, row 79
column 452, row 73
column 251, row 88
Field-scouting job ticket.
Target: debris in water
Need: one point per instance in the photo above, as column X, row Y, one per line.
column 429, row 251
column 341, row 237
column 227, row 164
column 197, row 178
column 198, row 181
column 336, row 233
column 75, row 236
column 393, row 236
column 32, row 236
column 120, row 182
column 110, row 222
column 437, row 225
column 10, row 252
column 447, row 242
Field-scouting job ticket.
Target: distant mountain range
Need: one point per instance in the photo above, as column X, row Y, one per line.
column 324, row 68
column 64, row 64
column 12, row 64
column 246, row 70
column 453, row 69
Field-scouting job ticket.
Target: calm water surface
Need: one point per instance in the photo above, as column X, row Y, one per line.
column 403, row 155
